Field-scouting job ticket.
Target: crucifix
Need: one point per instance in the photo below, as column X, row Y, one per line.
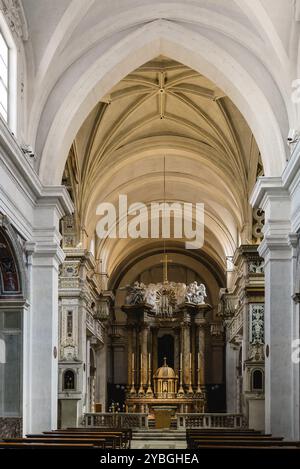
column 165, row 262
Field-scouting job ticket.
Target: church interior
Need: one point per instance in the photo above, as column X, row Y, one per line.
column 138, row 336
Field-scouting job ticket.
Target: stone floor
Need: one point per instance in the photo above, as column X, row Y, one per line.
column 157, row 444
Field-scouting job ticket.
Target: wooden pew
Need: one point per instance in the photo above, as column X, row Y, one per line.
column 125, row 436
column 116, row 438
column 100, row 443
column 239, row 437
column 256, row 448
column 16, row 445
column 198, row 444
column 208, row 438
column 127, row 432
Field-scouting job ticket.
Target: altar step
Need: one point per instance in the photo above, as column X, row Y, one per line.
column 158, row 439
column 159, row 434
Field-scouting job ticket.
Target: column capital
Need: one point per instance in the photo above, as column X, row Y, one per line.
column 266, row 189
column 185, row 324
column 278, row 246
column 45, row 253
column 55, row 197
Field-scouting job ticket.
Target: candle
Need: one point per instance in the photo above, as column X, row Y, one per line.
column 141, row 361
column 190, row 361
column 149, row 359
column 198, row 360
column 132, row 361
column 180, row 361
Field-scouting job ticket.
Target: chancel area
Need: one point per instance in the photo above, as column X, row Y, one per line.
column 149, row 223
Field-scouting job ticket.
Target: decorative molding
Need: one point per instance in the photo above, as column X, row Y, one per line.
column 15, row 17
column 256, row 266
column 256, row 324
column 258, row 224
column 265, row 188
column 165, row 297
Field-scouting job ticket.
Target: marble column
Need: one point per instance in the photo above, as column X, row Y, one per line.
column 154, row 349
column 144, row 353
column 201, row 350
column 194, row 355
column 231, row 373
column 177, row 350
column 88, row 375
column 186, row 350
column 101, row 374
column 129, row 355
column 279, row 253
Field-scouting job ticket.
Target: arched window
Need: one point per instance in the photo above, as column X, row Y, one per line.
column 257, row 380
column 69, row 380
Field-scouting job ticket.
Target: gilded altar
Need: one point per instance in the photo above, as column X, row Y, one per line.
column 170, row 309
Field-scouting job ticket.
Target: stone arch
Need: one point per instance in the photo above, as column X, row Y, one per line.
column 16, row 253
column 187, row 47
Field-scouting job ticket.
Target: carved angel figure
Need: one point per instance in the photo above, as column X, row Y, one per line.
column 135, row 293
column 195, row 293
column 150, row 294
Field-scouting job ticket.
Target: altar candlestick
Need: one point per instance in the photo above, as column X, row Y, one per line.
column 149, row 392
column 141, row 390
column 190, row 391
column 180, row 391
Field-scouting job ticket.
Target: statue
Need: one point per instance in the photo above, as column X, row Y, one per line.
column 136, row 293
column 151, row 295
column 164, row 297
column 195, row 293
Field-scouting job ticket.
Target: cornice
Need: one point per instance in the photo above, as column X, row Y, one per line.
column 26, row 178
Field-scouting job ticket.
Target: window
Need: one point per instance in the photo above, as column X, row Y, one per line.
column 69, row 380
column 4, row 59
column 257, row 380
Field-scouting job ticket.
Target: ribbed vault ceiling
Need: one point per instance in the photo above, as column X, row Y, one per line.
column 166, row 109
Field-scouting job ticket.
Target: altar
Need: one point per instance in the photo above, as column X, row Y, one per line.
column 166, row 394
column 167, row 318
